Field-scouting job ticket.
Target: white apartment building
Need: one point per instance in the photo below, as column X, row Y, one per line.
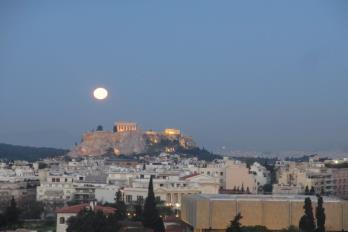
column 235, row 174
column 106, row 194
column 170, row 189
column 56, row 188
column 293, row 178
column 261, row 174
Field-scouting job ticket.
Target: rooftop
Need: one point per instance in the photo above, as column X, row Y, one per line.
column 77, row 208
column 253, row 197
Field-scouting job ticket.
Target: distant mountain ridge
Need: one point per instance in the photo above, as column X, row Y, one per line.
column 17, row 152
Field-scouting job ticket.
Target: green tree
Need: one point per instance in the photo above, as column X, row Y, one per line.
column 320, row 215
column 121, row 207
column 290, row 229
column 312, row 191
column 235, row 225
column 307, row 220
column 138, row 210
column 2, row 221
column 31, row 210
column 256, row 228
column 100, row 128
column 90, row 221
column 151, row 218
column 307, row 190
column 12, row 213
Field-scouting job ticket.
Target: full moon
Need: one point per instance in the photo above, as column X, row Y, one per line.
column 100, row 93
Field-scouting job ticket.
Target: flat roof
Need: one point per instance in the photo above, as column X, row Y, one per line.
column 254, row 197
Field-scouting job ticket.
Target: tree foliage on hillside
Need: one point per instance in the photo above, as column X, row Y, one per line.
column 200, row 153
column 14, row 152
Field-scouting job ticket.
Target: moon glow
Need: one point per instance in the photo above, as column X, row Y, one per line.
column 100, row 93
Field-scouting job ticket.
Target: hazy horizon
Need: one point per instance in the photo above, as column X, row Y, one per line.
column 266, row 76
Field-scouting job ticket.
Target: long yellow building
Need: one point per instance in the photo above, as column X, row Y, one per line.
column 214, row 212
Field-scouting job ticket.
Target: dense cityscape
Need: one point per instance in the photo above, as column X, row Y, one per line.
column 173, row 116
column 187, row 188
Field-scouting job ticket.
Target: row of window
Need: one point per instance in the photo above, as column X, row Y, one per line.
column 208, row 173
column 58, row 180
column 140, row 199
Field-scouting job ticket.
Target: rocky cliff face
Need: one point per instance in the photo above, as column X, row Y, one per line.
column 131, row 142
column 100, row 142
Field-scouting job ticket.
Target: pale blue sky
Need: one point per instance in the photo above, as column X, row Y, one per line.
column 264, row 75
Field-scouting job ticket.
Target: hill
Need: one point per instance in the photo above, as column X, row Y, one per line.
column 16, row 152
column 135, row 143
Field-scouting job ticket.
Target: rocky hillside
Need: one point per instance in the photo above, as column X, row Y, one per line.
column 101, row 142
column 131, row 142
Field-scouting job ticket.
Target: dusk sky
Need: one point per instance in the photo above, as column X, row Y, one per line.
column 246, row 75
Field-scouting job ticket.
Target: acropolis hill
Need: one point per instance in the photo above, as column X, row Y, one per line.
column 127, row 139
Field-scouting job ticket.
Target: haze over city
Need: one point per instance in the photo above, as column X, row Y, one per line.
column 268, row 76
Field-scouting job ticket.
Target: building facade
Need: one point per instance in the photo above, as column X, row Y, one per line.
column 125, row 126
column 214, row 212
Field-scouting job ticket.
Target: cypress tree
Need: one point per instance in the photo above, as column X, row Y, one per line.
column 151, row 218
column 121, row 207
column 307, row 190
column 307, row 221
column 12, row 212
column 312, row 191
column 235, row 225
column 320, row 215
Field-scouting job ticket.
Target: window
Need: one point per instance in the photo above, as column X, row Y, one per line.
column 128, row 198
column 62, row 220
column 140, row 199
column 221, row 173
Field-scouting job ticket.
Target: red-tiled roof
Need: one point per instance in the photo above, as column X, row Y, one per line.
column 188, row 176
column 77, row 208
